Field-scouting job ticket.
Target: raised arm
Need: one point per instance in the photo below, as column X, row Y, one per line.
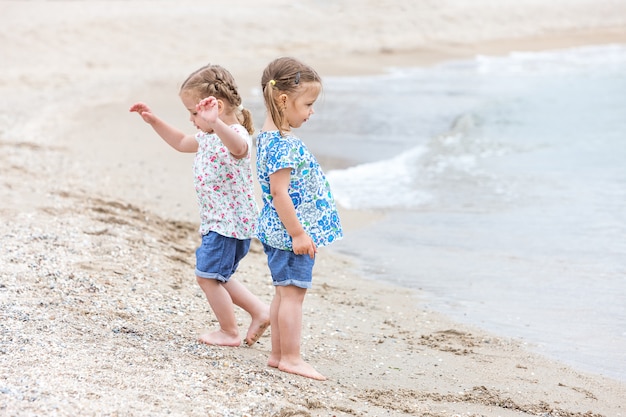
column 174, row 137
column 279, row 189
column 208, row 111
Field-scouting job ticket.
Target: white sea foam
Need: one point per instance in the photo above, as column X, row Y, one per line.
column 382, row 184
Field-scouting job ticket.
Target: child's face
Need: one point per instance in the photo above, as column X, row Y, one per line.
column 299, row 106
column 190, row 101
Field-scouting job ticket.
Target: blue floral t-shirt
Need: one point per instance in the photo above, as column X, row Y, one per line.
column 308, row 188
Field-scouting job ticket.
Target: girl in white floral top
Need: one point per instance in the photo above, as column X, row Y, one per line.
column 224, row 186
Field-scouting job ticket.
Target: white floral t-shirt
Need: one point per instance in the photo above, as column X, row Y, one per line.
column 224, row 187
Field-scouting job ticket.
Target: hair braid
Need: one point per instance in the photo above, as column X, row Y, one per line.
column 216, row 81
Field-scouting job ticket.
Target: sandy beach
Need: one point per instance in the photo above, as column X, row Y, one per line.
column 100, row 309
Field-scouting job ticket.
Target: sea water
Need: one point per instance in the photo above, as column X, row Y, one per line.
column 503, row 183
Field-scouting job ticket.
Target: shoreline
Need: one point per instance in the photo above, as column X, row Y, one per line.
column 366, row 63
column 590, row 356
column 100, row 311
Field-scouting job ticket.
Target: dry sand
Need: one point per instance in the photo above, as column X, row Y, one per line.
column 100, row 309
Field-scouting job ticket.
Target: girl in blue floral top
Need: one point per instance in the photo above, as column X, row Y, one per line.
column 299, row 213
column 225, row 188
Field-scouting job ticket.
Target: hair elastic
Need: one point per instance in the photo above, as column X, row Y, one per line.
column 240, row 107
column 272, row 82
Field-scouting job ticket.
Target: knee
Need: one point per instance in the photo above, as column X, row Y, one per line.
column 207, row 283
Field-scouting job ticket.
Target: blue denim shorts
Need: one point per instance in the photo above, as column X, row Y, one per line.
column 218, row 256
column 287, row 268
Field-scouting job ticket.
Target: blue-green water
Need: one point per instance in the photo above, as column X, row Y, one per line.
column 504, row 181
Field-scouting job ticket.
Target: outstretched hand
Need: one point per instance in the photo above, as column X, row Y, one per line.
column 144, row 111
column 207, row 109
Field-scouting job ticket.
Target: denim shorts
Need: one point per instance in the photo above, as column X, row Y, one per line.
column 218, row 256
column 287, row 268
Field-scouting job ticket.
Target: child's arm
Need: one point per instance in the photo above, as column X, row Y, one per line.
column 174, row 137
column 208, row 110
column 279, row 188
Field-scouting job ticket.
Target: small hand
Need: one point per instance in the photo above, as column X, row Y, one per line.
column 207, row 109
column 144, row 111
column 303, row 245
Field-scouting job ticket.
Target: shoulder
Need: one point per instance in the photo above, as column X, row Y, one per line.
column 202, row 137
column 290, row 145
column 268, row 135
column 274, row 138
column 241, row 131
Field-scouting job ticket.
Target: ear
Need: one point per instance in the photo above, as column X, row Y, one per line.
column 282, row 99
column 220, row 106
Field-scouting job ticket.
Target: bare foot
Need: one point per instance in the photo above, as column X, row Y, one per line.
column 301, row 368
column 256, row 330
column 219, row 338
column 273, row 361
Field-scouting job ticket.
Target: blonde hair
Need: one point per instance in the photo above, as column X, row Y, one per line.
column 284, row 76
column 216, row 81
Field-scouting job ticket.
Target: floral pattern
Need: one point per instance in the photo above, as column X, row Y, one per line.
column 224, row 187
column 309, row 191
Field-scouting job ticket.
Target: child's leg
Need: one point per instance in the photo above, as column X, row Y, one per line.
column 222, row 305
column 259, row 311
column 274, row 358
column 289, row 318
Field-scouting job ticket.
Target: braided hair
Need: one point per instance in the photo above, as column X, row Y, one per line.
column 216, row 81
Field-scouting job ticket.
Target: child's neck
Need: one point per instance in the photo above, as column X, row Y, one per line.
column 269, row 125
